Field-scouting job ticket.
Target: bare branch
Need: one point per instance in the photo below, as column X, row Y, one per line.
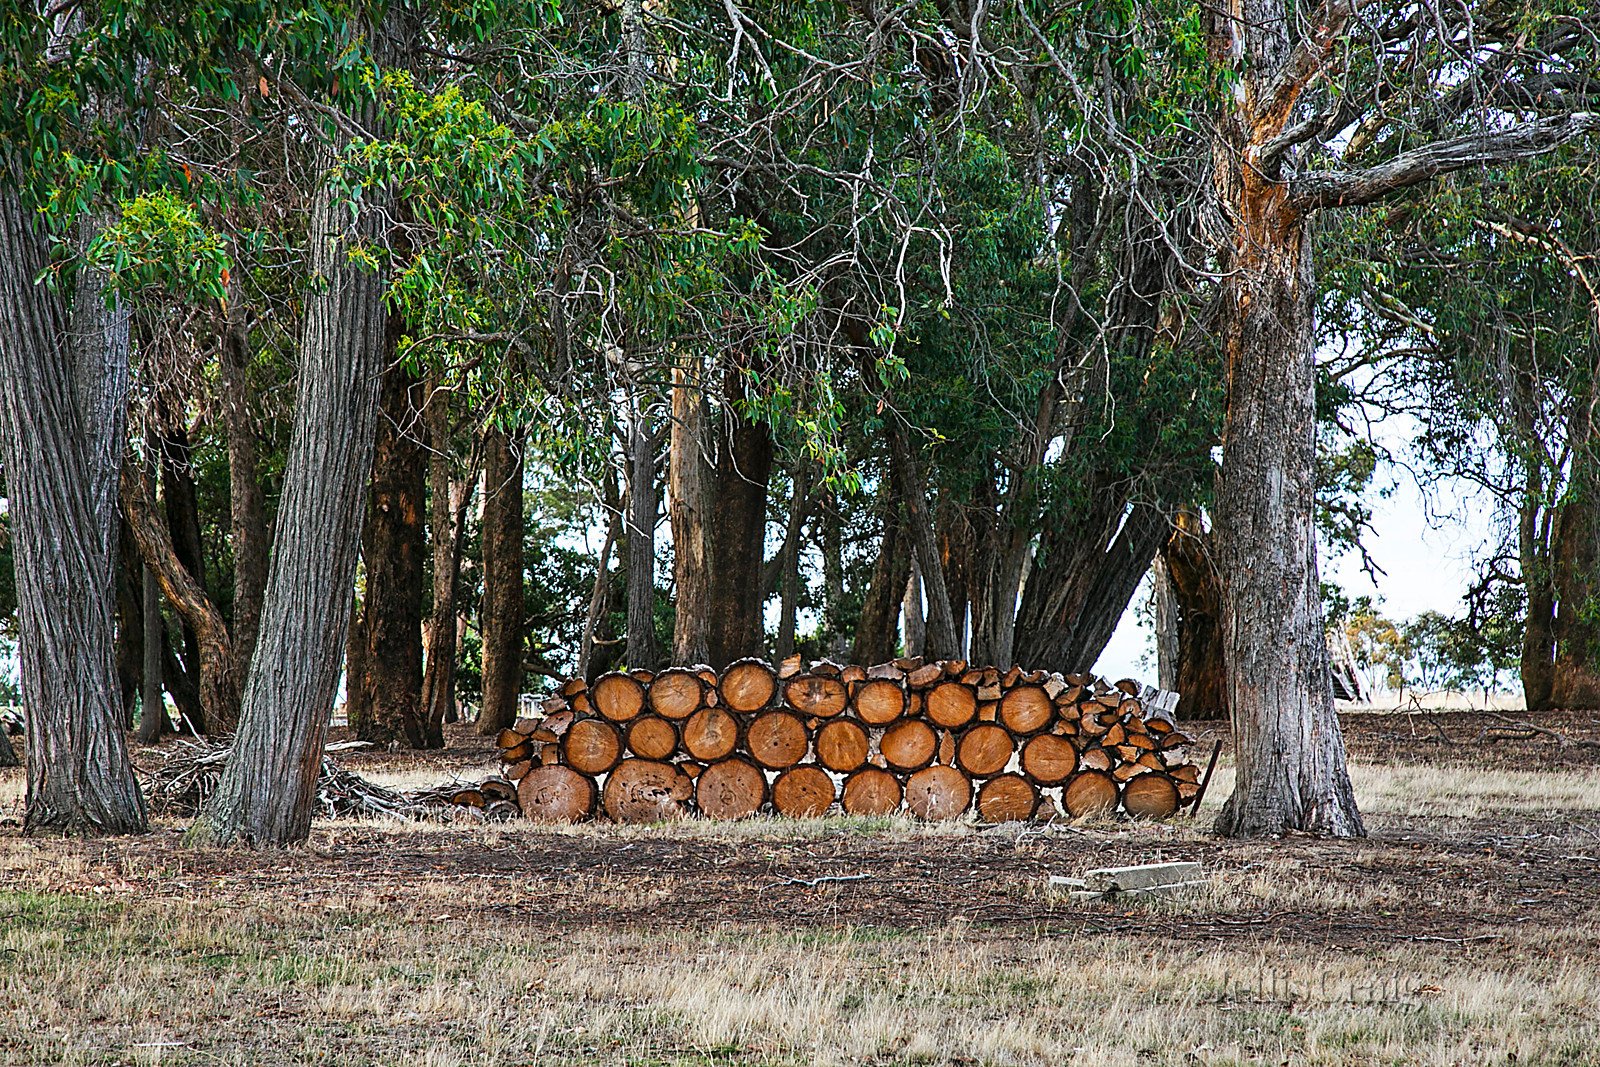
column 1522, row 141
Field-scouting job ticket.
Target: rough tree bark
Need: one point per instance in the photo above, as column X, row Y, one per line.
column 247, row 504
column 393, row 548
column 1086, row 573
column 1575, row 630
column 449, row 498
column 266, row 792
column 1164, row 623
column 912, row 624
column 789, row 559
column 130, row 623
column 736, row 540
column 875, row 632
column 153, row 721
column 912, row 488
column 642, row 506
column 180, row 502
column 689, row 482
column 57, row 428
column 1201, row 667
column 219, row 686
column 502, row 583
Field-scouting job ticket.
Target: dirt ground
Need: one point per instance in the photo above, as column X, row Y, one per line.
column 1479, row 873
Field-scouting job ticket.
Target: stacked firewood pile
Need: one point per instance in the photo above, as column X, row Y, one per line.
column 933, row 739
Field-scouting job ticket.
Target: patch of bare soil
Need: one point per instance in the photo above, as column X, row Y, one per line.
column 1477, row 883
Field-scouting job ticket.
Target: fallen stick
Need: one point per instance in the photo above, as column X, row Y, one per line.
column 812, row 883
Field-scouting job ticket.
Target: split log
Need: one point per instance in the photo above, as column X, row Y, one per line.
column 879, row 702
column 777, row 740
column 925, row 676
column 616, row 696
column 652, row 737
column 1049, row 759
column 497, row 789
column 1090, row 793
column 556, row 794
column 842, row 745
column 816, row 694
column 909, row 744
column 592, row 746
column 677, row 693
column 710, row 734
column 1027, row 709
column 730, row 789
column 985, row 749
column 748, row 685
column 1095, row 759
column 642, row 790
column 871, row 791
column 803, row 792
column 1150, row 796
column 951, row 704
column 1008, row 798
column 938, row 793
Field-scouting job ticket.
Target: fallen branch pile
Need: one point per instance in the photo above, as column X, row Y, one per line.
column 187, row 772
column 933, row 739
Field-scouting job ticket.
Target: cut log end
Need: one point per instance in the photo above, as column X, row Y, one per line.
column 730, row 789
column 748, row 685
column 556, row 794
column 871, row 791
column 618, row 697
column 938, row 793
column 803, row 792
column 640, row 791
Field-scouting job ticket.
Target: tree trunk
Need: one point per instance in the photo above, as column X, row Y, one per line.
column 737, row 539
column 912, row 624
column 357, row 694
column 1088, row 569
column 1575, row 674
column 690, row 492
column 267, row 790
column 1291, row 758
column 790, row 560
column 941, row 628
column 130, row 623
column 393, row 549
column 502, row 583
column 642, row 506
column 1538, row 634
column 219, row 687
column 833, row 643
column 181, row 503
column 600, row 592
column 875, row 632
column 1196, row 588
column 247, row 504
column 448, row 500
column 62, row 507
column 1164, row 610
column 153, row 721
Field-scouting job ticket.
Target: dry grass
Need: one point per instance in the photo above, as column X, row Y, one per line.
column 97, row 981
column 149, row 955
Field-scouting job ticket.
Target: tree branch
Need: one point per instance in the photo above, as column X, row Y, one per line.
column 1353, row 188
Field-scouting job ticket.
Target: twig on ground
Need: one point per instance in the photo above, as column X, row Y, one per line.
column 812, row 883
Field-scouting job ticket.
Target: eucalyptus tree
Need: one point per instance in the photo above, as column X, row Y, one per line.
column 70, row 147
column 1338, row 104
column 1475, row 311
